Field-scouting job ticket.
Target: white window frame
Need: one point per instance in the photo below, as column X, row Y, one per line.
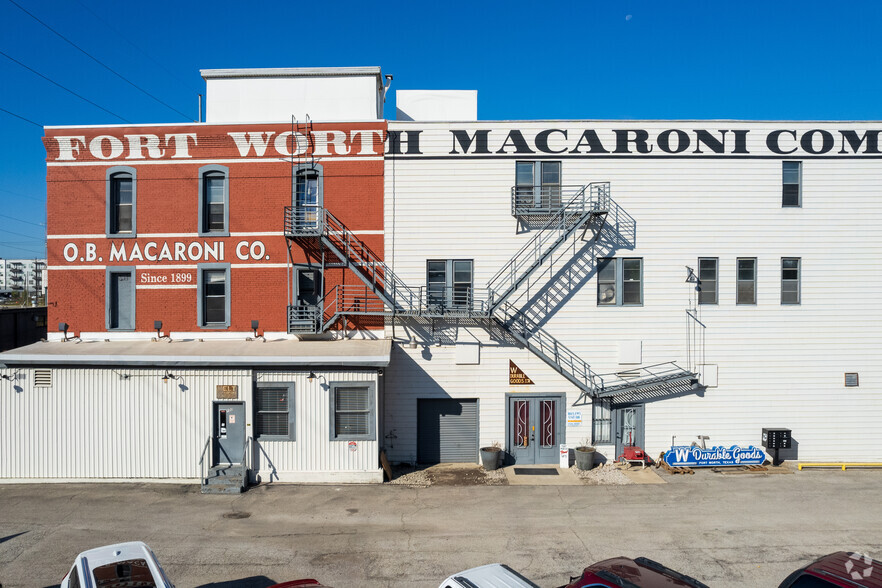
column 715, row 281
column 797, row 281
column 784, row 185
column 739, row 281
column 618, row 298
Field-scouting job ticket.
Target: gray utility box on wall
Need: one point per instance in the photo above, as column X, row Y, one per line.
column 776, row 438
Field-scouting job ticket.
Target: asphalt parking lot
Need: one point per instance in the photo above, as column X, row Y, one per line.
column 747, row 530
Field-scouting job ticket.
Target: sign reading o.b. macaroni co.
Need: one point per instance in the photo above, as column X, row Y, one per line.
column 159, row 251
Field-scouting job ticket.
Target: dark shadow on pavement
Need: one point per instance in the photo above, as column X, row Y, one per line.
column 250, row 582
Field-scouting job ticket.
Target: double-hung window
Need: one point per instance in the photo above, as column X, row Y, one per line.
column 602, row 421
column 274, row 410
column 121, row 202
column 120, row 298
column 790, row 280
column 538, row 185
column 213, row 295
column 449, row 282
column 791, row 190
column 353, row 411
column 214, row 200
column 745, row 278
column 620, row 281
column 708, row 274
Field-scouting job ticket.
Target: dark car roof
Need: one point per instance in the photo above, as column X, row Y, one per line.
column 836, row 567
column 641, row 572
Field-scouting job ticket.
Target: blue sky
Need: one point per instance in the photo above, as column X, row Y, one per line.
column 553, row 60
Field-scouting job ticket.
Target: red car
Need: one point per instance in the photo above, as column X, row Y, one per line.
column 637, row 573
column 843, row 568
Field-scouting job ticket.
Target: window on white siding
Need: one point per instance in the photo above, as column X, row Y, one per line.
column 619, row 281
column 352, row 411
column 745, row 290
column 449, row 282
column 791, row 195
column 790, row 280
column 708, row 274
column 538, row 184
column 274, row 410
column 602, row 412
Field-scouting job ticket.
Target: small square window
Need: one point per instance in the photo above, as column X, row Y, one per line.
column 619, row 275
column 851, row 380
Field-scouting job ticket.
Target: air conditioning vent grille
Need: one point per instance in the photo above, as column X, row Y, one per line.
column 43, row 378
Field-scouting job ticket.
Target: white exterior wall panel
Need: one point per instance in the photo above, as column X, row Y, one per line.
column 779, row 366
column 95, row 424
column 313, row 456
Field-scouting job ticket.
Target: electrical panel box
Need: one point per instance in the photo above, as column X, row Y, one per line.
column 776, row 438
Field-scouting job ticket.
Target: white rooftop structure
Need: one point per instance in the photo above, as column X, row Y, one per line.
column 325, row 94
column 437, row 105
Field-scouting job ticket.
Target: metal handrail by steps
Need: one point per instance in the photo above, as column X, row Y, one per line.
column 589, row 201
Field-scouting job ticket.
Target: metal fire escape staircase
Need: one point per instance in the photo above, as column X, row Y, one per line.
column 386, row 294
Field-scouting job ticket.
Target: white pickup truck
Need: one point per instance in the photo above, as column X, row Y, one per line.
column 116, row 566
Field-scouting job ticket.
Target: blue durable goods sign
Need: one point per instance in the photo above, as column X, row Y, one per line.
column 715, row 456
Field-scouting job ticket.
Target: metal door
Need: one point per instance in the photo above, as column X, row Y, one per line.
column 534, row 429
column 628, row 426
column 229, row 432
column 447, row 430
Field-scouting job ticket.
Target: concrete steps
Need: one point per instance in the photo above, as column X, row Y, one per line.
column 225, row 479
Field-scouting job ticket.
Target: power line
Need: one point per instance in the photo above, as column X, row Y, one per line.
column 62, row 87
column 129, row 41
column 43, row 200
column 21, row 117
column 25, row 250
column 99, row 62
column 6, row 231
column 24, row 221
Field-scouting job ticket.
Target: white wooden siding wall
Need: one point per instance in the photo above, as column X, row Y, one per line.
column 92, row 423
column 779, row 366
column 431, row 372
column 313, row 456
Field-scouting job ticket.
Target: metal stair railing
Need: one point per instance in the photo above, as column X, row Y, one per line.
column 303, row 315
column 646, row 376
column 344, row 300
column 549, row 349
column 589, row 200
column 379, row 277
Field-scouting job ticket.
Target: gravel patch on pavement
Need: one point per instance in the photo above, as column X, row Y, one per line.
column 603, row 475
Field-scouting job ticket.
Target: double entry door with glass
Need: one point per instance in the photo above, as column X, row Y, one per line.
column 534, row 428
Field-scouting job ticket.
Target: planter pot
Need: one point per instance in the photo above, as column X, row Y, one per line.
column 584, row 458
column 490, row 457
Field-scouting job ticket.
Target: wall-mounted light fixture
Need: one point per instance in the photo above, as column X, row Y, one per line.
column 254, row 326
column 157, row 326
column 169, row 376
column 311, row 376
